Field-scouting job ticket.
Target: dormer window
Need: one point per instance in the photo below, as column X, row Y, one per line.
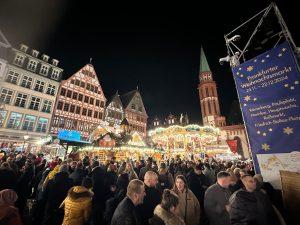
column 55, row 62
column 32, row 65
column 55, row 74
column 35, row 53
column 44, row 70
column 45, row 58
column 23, row 48
column 19, row 60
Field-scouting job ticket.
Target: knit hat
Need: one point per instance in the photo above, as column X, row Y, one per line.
column 8, row 197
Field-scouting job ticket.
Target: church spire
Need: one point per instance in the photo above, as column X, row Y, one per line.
column 204, row 67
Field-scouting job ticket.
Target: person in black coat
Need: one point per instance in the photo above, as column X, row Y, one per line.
column 55, row 192
column 78, row 174
column 120, row 193
column 126, row 213
column 250, row 206
column 8, row 178
column 152, row 198
column 197, row 183
column 216, row 200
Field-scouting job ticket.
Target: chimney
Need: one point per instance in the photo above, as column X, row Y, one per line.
column 55, row 62
column 23, row 48
column 45, row 57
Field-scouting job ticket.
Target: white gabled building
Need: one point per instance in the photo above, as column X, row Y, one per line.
column 28, row 88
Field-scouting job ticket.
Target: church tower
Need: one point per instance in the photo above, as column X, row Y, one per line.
column 209, row 101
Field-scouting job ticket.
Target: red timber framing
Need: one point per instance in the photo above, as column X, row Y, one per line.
column 79, row 104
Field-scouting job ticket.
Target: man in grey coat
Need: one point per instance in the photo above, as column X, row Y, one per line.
column 216, row 200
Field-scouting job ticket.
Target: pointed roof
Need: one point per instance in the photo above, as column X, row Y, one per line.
column 3, row 40
column 127, row 97
column 115, row 98
column 204, row 67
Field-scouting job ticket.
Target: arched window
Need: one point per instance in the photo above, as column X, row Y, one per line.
column 209, row 108
column 207, row 93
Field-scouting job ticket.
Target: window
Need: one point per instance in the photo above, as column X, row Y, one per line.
column 6, row 95
column 72, row 81
column 63, row 91
column 69, row 93
column 140, row 108
column 101, row 104
column 84, row 111
column 78, row 109
column 72, row 108
column 48, row 105
column 92, row 88
column 207, row 93
column 95, row 114
column 42, row 125
column 60, row 105
column 12, row 77
column 14, row 120
column 19, row 60
column 39, row 86
column 86, row 99
column 44, row 70
column 77, row 82
column 100, row 115
column 133, row 106
column 91, row 101
column 82, row 84
column 29, row 123
column 80, row 97
column 26, row 82
column 34, row 103
column 97, row 102
column 75, row 94
column 32, row 65
column 51, row 89
column 61, row 122
column 66, row 107
column 88, row 87
column 2, row 117
column 55, row 74
column 90, row 113
column 21, row 100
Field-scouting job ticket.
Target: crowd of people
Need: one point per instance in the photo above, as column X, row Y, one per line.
column 170, row 192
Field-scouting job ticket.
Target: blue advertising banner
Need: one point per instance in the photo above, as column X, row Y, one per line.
column 68, row 135
column 269, row 92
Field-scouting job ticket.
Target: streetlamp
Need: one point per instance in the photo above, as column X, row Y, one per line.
column 26, row 137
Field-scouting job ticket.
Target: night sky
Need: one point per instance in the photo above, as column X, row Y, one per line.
column 153, row 46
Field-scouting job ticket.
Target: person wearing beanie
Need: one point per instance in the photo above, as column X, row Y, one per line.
column 9, row 214
column 77, row 206
column 54, row 193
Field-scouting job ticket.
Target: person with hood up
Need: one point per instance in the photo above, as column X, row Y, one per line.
column 9, row 215
column 77, row 206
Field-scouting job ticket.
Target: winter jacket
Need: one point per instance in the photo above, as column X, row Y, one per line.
column 165, row 180
column 77, row 206
column 251, row 208
column 151, row 200
column 189, row 207
column 55, row 192
column 164, row 217
column 215, row 199
column 126, row 214
column 196, row 184
column 111, row 205
column 8, row 179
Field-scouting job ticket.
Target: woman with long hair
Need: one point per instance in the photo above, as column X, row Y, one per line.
column 189, row 207
column 130, row 171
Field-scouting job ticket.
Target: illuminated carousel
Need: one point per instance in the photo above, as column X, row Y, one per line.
column 190, row 140
column 119, row 143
